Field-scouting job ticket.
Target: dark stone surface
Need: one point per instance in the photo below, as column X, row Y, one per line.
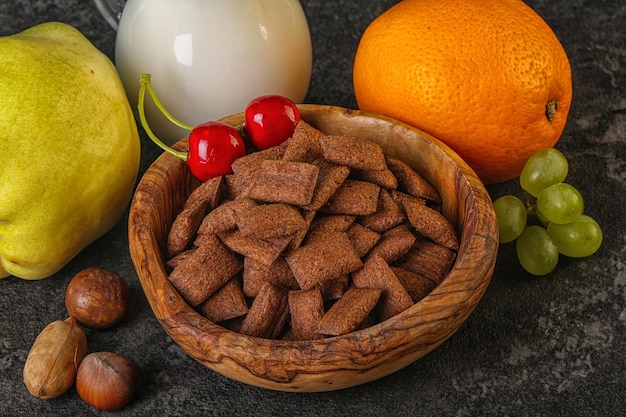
column 550, row 346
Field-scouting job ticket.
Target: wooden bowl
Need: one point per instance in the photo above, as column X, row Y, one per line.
column 336, row 362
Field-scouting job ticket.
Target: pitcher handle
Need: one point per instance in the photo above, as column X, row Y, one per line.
column 111, row 10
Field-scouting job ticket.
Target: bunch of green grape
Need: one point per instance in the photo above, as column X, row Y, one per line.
column 550, row 222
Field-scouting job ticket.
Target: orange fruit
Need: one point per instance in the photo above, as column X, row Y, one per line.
column 488, row 78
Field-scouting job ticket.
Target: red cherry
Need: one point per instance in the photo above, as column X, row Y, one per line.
column 270, row 120
column 213, row 146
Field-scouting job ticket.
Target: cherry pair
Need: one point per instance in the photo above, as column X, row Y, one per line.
column 214, row 146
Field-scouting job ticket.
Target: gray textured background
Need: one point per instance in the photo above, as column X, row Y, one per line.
column 552, row 346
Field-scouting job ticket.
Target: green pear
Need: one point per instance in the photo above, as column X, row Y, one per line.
column 69, row 148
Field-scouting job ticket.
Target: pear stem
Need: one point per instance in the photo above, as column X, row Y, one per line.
column 145, row 85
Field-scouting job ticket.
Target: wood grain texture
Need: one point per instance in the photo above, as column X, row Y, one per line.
column 337, row 362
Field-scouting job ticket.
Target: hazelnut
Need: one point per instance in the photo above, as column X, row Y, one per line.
column 96, row 298
column 106, row 380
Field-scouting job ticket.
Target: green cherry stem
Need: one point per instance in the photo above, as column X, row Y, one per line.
column 145, row 85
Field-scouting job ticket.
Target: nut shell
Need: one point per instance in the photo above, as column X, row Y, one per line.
column 106, row 380
column 50, row 368
column 97, row 298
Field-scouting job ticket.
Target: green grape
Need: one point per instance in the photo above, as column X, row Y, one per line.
column 560, row 203
column 544, row 168
column 536, row 251
column 511, row 215
column 577, row 239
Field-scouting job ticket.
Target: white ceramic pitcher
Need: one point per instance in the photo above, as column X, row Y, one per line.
column 209, row 58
